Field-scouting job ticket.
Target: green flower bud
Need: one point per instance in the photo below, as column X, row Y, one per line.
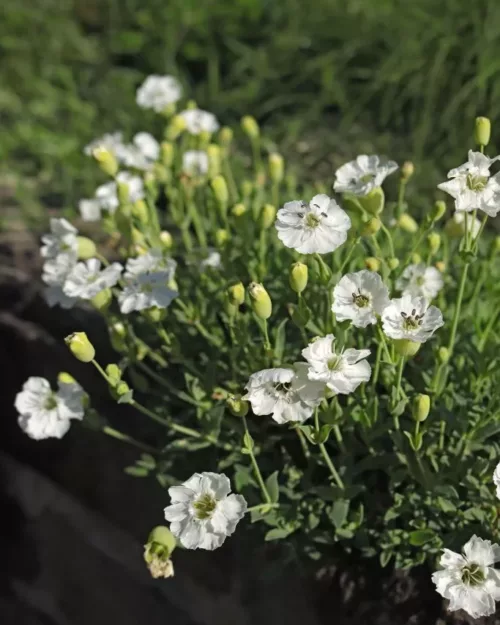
column 247, row 188
column 169, row 110
column 117, row 335
column 371, row 227
column 122, row 192
column 250, row 127
column 237, row 406
column 374, row 202
column 482, row 131
column 166, row 239
column 420, row 407
column 393, row 263
column 155, row 314
column 107, row 161
column 438, row 210
column 158, row 551
column 114, row 374
column 298, row 277
column 236, row 294
column 221, row 237
column 406, row 348
column 226, row 136
column 276, row 167
column 434, row 241
column 176, row 126
column 167, row 153
column 441, row 266
column 407, row 170
column 138, row 237
column 416, row 259
column 86, row 248
column 443, row 355
column 214, row 160
column 102, row 300
column 140, row 211
column 238, row 210
column 80, row 346
column 267, row 216
column 121, row 389
column 66, row 378
column 191, row 105
column 261, row 302
column 373, row 264
column 407, row 223
column 219, row 188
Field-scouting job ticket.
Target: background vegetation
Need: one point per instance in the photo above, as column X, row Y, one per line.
column 329, row 78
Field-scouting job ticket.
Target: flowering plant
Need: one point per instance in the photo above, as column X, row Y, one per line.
column 337, row 358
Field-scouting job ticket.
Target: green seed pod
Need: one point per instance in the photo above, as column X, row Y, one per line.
column 372, row 263
column 261, row 302
column 80, row 346
column 438, row 210
column 298, row 277
column 250, row 127
column 434, row 241
column 407, row 223
column 482, row 131
column 102, row 300
column 107, row 161
column 443, row 355
column 267, row 216
column 420, row 408
column 371, row 227
column 406, row 348
column 237, row 406
column 86, row 248
column 236, row 294
column 374, row 202
column 276, row 167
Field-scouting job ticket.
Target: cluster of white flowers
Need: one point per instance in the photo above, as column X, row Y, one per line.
column 198, row 121
column 60, row 252
column 420, row 281
column 106, row 196
column 158, row 93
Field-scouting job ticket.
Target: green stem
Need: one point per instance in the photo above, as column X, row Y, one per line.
column 376, row 370
column 349, row 254
column 326, row 456
column 128, row 439
column 487, row 330
column 339, row 438
column 101, row 370
column 389, row 239
column 267, row 342
column 401, row 197
column 256, row 469
column 149, row 413
column 263, row 506
column 458, row 308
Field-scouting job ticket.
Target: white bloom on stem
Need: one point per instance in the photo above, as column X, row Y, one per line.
column 198, row 121
column 141, row 153
column 411, row 318
column 363, row 174
column 472, row 185
column 360, row 297
column 44, row 413
column 203, row 513
column 496, row 479
column 107, row 194
column 146, row 290
column 213, row 260
column 286, row 394
column 195, row 163
column 90, row 209
column 86, row 279
column 469, row 580
column 152, row 261
column 158, row 92
column 113, row 142
column 317, row 227
column 54, row 274
column 420, row 281
column 62, row 239
column 343, row 372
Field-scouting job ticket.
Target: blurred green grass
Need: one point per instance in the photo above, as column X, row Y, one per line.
column 335, row 76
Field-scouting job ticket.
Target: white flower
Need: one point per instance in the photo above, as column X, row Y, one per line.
column 286, row 394
column 472, row 187
column 195, row 163
column 152, row 261
column 113, row 142
column 420, row 281
column 107, row 194
column 363, row 174
column 411, row 318
column 146, row 290
column 62, row 239
column 86, row 279
column 44, row 413
column 158, row 92
column 360, row 297
column 198, row 121
column 213, row 260
column 318, row 227
column 142, row 153
column 54, row 274
column 203, row 513
column 90, row 210
column 469, row 580
column 343, row 372
column 459, row 220
column 496, row 479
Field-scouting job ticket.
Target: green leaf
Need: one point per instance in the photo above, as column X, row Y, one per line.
column 273, row 487
column 338, row 512
column 420, row 537
column 280, row 340
column 277, row 533
column 136, row 471
column 384, row 558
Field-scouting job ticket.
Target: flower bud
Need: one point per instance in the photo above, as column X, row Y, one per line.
column 247, row 188
column 158, row 550
column 371, row 227
column 86, row 248
column 138, row 237
column 238, row 210
column 420, row 407
column 121, row 389
column 407, row 170
column 155, row 314
column 221, row 237
column 434, row 241
column 406, row 348
column 441, row 266
column 443, row 355
column 219, row 188
column 298, row 277
column 117, row 335
column 250, row 127
column 416, row 259
column 276, row 167
column 372, row 263
column 438, row 210
column 226, row 136
column 107, row 161
column 175, row 127
column 80, row 346
column 102, row 300
column 261, row 302
column 114, row 374
column 66, row 378
column 407, row 223
column 236, row 294
column 393, row 263
column 166, row 239
column 237, row 406
column 214, row 160
column 140, row 211
column 167, row 153
column 482, row 131
column 122, row 192
column 374, row 202
column 267, row 216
